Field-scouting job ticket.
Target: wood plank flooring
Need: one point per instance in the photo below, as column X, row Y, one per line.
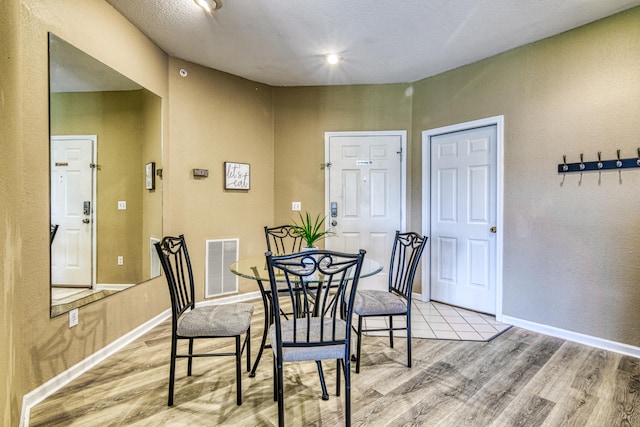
column 520, row 378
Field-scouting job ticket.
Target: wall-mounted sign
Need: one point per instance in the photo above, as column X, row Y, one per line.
column 236, row 176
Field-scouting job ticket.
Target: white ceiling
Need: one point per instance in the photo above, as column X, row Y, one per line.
column 283, row 42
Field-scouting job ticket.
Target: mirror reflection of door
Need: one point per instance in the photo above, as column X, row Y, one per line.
column 72, row 209
column 366, row 185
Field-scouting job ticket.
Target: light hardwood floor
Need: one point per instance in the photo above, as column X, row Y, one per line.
column 520, row 378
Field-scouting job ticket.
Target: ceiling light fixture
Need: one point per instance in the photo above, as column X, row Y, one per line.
column 332, row 58
column 209, row 5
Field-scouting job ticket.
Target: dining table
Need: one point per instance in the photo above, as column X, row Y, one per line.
column 255, row 268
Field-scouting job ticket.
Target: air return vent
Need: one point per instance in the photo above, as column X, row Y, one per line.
column 219, row 280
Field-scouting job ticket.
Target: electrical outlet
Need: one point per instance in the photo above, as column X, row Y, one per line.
column 120, row 260
column 73, row 318
column 122, row 205
column 296, row 206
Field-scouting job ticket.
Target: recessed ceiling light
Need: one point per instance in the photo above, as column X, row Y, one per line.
column 332, row 58
column 209, row 5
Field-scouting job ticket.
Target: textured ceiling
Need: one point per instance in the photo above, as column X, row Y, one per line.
column 283, row 42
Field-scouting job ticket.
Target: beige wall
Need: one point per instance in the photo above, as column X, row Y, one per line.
column 151, row 199
column 35, row 346
column 217, row 117
column 571, row 243
column 11, row 196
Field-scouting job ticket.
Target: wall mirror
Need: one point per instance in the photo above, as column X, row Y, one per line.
column 105, row 179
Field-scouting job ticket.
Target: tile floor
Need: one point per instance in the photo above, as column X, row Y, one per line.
column 440, row 321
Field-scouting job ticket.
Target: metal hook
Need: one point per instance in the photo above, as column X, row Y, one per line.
column 582, row 166
column 618, row 162
column 565, row 167
column 600, row 165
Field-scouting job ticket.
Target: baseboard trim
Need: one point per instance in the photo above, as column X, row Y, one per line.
column 589, row 340
column 37, row 395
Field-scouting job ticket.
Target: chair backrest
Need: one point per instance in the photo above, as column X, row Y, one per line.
column 320, row 286
column 405, row 258
column 176, row 265
column 282, row 240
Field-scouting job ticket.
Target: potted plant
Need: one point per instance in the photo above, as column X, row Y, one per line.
column 310, row 230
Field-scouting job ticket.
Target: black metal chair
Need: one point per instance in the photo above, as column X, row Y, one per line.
column 396, row 301
column 282, row 240
column 190, row 322
column 319, row 328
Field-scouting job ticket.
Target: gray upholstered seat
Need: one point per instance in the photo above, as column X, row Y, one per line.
column 224, row 320
column 396, row 300
column 378, row 303
column 298, row 354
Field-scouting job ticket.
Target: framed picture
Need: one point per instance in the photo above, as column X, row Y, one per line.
column 236, row 176
column 150, row 176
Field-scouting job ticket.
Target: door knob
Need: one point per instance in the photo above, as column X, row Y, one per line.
column 86, row 221
column 334, row 223
column 493, row 229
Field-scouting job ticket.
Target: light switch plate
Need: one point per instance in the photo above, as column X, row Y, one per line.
column 122, row 205
column 296, row 206
column 73, row 318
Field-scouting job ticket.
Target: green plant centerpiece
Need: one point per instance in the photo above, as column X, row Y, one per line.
column 310, row 230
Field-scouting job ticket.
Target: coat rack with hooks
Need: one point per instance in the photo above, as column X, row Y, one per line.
column 599, row 164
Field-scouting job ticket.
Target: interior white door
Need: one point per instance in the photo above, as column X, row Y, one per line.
column 463, row 218
column 365, row 199
column 72, row 209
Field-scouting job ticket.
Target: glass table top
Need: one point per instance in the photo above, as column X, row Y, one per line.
column 245, row 267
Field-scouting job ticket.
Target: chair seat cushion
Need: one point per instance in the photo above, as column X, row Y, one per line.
column 298, row 354
column 223, row 320
column 369, row 302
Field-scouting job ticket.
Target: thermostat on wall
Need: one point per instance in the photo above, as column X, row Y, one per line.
column 200, row 173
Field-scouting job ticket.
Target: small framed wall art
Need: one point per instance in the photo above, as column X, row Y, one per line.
column 150, row 176
column 236, row 176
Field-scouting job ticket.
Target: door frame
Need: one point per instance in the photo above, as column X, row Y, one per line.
column 94, row 201
column 497, row 121
column 403, row 169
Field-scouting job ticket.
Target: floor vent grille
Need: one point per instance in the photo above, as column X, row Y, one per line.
column 219, row 280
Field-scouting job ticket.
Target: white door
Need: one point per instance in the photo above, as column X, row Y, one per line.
column 72, row 208
column 463, row 218
column 365, row 197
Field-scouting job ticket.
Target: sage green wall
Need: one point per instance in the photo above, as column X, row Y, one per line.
column 304, row 114
column 117, row 120
column 571, row 243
